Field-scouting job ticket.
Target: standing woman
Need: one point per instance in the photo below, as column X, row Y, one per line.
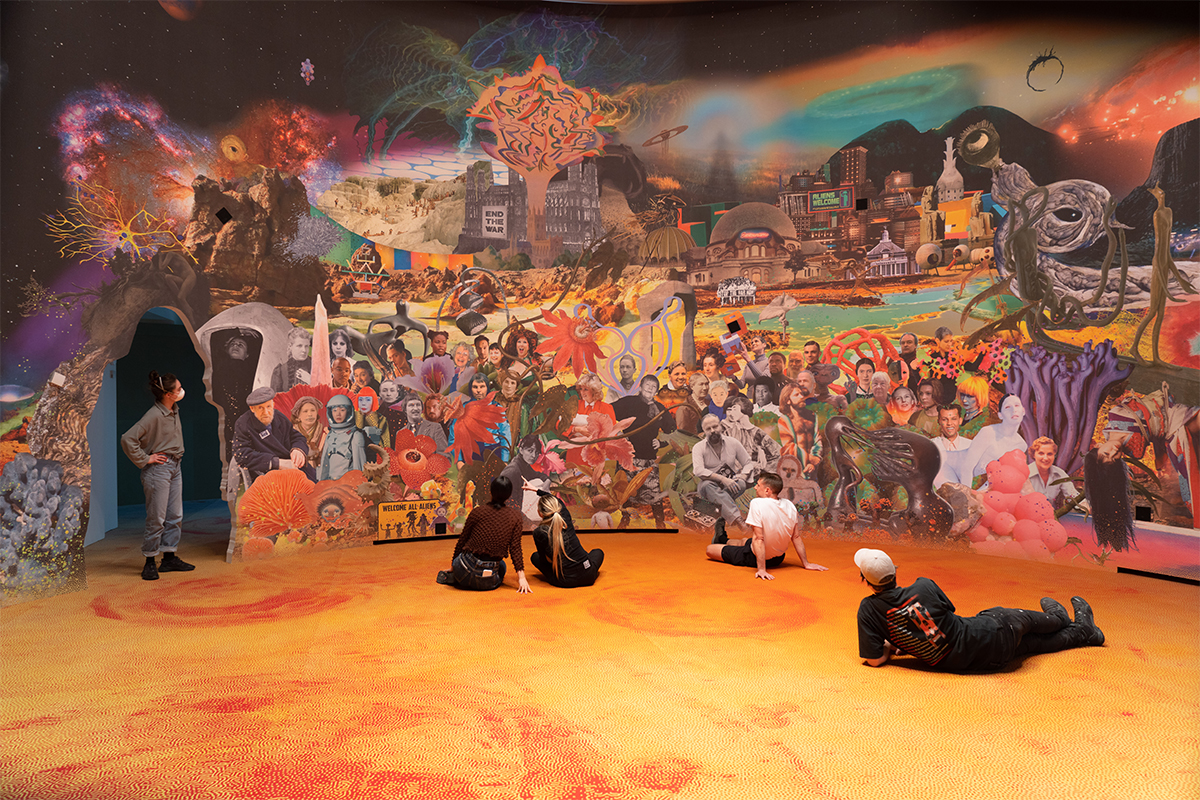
column 155, row 445
column 560, row 557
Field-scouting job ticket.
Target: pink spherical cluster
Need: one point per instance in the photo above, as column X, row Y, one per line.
column 1014, row 524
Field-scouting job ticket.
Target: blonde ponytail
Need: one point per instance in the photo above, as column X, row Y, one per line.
column 550, row 508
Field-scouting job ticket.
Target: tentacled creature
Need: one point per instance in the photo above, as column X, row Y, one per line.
column 888, row 456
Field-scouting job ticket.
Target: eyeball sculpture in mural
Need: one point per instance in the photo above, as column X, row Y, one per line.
column 1014, row 524
column 1072, row 217
column 39, row 516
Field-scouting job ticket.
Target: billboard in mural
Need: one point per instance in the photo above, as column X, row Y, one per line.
column 439, row 253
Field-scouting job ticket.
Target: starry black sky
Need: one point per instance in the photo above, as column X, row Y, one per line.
column 232, row 54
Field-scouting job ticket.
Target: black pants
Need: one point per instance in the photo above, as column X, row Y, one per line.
column 1029, row 633
column 574, row 574
column 468, row 571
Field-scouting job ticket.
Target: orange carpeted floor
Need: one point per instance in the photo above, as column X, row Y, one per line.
column 353, row 675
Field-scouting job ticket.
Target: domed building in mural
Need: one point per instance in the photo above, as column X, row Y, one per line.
column 753, row 241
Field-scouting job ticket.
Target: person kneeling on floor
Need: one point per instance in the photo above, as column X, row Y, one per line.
column 774, row 524
column 560, row 557
column 491, row 533
column 919, row 620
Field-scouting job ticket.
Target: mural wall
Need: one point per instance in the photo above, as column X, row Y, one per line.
column 937, row 272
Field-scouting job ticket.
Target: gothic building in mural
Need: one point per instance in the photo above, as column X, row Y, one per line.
column 496, row 215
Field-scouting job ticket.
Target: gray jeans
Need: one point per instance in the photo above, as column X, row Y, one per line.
column 163, row 484
column 715, row 492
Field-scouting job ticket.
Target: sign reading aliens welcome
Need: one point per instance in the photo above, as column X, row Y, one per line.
column 831, row 200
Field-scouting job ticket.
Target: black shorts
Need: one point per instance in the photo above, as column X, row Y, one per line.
column 742, row 555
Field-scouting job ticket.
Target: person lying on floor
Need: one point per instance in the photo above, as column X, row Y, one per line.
column 491, row 533
column 919, row 620
column 774, row 524
column 560, row 557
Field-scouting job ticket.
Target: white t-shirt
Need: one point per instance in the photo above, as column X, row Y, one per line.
column 777, row 517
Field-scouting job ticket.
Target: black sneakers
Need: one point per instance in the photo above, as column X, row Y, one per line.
column 173, row 563
column 149, row 572
column 719, row 537
column 445, row 577
column 1083, row 618
column 1056, row 609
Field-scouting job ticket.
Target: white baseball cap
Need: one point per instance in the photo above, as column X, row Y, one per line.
column 875, row 565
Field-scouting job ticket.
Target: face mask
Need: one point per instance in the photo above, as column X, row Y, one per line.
column 179, row 393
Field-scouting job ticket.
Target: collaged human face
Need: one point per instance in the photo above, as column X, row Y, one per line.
column 949, row 422
column 812, row 354
column 339, row 347
column 264, row 412
column 237, row 349
column 795, row 363
column 775, row 364
column 763, row 396
column 758, row 346
column 495, row 355
column 1044, row 457
column 1108, row 451
column 968, row 403
column 509, row 388
column 648, row 390
column 679, row 375
column 1012, row 410
column 711, row 370
column 364, row 403
column 719, row 392
column 435, row 408
column 362, row 377
column 529, row 453
column 522, row 347
column 341, row 373
column 437, row 343
column 481, row 349
column 308, row 415
column 479, row 389
column 626, row 368
column 389, row 392
column 789, row 469
column 398, row 358
column 880, row 384
column 734, row 412
column 904, row 399
column 711, row 426
column 298, row 349
column 925, row 396
column 412, row 409
column 462, row 356
column 908, row 344
column 700, row 384
column 863, row 373
column 592, row 392
column 339, row 414
column 807, row 383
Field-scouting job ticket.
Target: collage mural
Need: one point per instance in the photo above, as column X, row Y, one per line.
column 938, row 275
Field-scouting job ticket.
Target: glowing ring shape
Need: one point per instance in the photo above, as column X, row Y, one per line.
column 233, row 148
column 670, row 133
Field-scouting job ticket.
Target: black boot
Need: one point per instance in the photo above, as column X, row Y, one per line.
column 719, row 537
column 173, row 563
column 1056, row 609
column 1083, row 618
column 445, row 577
column 150, row 572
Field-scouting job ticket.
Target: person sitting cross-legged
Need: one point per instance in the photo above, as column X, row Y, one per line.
column 775, row 526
